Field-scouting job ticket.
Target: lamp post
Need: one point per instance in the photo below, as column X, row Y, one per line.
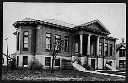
column 7, row 50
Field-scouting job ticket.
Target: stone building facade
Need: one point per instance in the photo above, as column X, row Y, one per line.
column 89, row 43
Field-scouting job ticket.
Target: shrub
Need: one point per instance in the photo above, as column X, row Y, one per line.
column 36, row 65
column 12, row 64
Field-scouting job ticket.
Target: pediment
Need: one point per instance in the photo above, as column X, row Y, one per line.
column 95, row 26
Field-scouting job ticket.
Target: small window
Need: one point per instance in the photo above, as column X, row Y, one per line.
column 47, row 61
column 122, row 63
column 57, row 62
column 66, row 38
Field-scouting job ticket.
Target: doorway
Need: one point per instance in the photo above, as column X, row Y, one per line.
column 93, row 63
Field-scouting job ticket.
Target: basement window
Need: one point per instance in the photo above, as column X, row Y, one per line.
column 57, row 62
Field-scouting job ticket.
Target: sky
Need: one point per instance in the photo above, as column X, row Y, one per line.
column 111, row 15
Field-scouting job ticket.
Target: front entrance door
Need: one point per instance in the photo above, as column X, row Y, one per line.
column 93, row 63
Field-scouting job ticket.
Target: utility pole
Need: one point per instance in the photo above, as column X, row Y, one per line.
column 7, row 51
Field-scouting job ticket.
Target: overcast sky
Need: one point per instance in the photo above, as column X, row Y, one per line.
column 111, row 15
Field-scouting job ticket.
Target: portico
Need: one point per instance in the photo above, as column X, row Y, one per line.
column 89, row 49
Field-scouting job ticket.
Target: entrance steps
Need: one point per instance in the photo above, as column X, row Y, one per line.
column 80, row 68
column 110, row 67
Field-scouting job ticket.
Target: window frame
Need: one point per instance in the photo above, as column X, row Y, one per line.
column 18, row 41
column 100, row 48
column 122, row 63
column 49, row 38
column 92, row 49
column 111, row 49
column 106, row 49
column 77, row 47
column 48, row 62
column 57, row 39
column 55, row 62
column 24, row 63
column 66, row 43
column 25, row 36
column 122, row 53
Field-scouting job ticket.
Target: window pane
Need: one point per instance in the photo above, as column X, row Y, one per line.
column 57, row 40
column 100, row 48
column 47, row 40
column 57, row 62
column 110, row 49
column 25, row 39
column 76, row 47
column 18, row 41
column 25, row 45
column 91, row 49
column 25, row 60
column 26, row 33
column 47, row 61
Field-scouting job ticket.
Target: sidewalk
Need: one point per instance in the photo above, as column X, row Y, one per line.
column 80, row 68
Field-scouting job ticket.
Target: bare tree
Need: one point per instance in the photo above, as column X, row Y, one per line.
column 55, row 49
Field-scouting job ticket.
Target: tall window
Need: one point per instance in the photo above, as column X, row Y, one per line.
column 18, row 41
column 121, row 52
column 100, row 48
column 57, row 62
column 76, row 48
column 57, row 40
column 122, row 63
column 106, row 49
column 48, row 41
column 25, row 40
column 66, row 38
column 111, row 49
column 47, row 61
column 92, row 49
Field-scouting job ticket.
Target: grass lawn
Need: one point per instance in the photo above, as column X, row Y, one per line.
column 58, row 75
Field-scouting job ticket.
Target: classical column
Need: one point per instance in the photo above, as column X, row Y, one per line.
column 103, row 51
column 98, row 45
column 97, row 49
column 88, row 46
column 81, row 44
